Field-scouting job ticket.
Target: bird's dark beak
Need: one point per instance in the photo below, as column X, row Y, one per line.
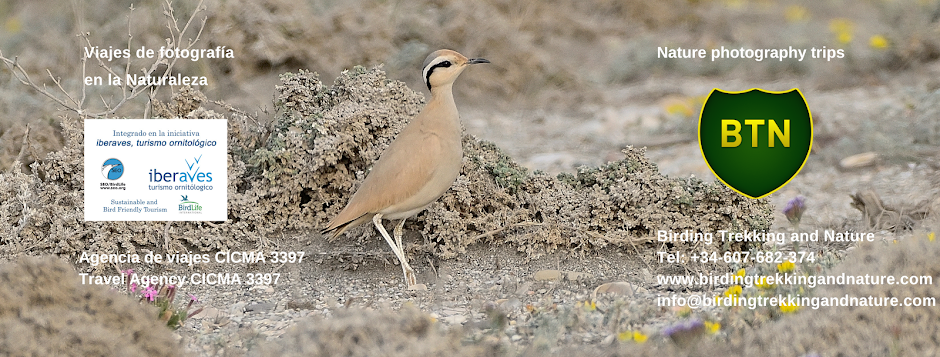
column 477, row 60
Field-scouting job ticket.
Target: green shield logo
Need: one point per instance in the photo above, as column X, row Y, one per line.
column 755, row 141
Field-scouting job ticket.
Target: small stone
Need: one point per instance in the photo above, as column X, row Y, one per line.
column 858, row 161
column 524, row 288
column 237, row 308
column 508, row 305
column 515, row 338
column 261, row 289
column 207, row 313
column 454, row 319
column 260, row 307
column 621, row 288
column 418, row 287
column 545, row 275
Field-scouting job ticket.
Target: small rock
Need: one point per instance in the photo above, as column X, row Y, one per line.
column 237, row 308
column 418, row 287
column 545, row 275
column 260, row 307
column 858, row 161
column 515, row 338
column 508, row 305
column 621, row 288
column 454, row 319
column 524, row 288
column 207, row 313
column 267, row 289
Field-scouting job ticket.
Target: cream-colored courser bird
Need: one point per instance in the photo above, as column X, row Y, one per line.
column 418, row 166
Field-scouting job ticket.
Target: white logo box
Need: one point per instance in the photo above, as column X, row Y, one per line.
column 156, row 169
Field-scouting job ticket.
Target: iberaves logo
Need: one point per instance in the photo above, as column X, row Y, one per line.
column 182, row 176
column 187, row 206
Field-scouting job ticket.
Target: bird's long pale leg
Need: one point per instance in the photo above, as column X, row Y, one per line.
column 409, row 273
column 399, row 253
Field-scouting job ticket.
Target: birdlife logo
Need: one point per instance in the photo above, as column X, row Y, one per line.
column 187, row 206
column 755, row 141
column 112, row 169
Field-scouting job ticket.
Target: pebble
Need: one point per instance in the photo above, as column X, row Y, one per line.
column 545, row 275
column 418, row 287
column 237, row 308
column 454, row 319
column 620, row 288
column 260, row 307
column 207, row 313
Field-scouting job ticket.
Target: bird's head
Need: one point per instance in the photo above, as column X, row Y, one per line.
column 442, row 67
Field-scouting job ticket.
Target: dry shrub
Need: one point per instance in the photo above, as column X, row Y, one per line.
column 876, row 215
column 46, row 311
column 621, row 203
column 325, row 140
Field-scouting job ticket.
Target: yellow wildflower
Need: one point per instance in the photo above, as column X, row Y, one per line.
column 762, row 283
column 878, row 42
column 785, row 267
column 843, row 29
column 786, row 308
column 639, row 337
column 590, row 305
column 635, row 335
column 734, row 290
column 844, row 37
column 712, row 327
column 931, row 236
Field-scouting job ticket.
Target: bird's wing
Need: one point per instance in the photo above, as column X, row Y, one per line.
column 400, row 173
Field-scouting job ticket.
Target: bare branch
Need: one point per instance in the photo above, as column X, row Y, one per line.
column 59, row 84
column 128, row 92
column 19, row 157
column 23, row 77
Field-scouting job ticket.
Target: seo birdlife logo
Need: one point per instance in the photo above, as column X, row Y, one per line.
column 112, row 169
column 755, row 141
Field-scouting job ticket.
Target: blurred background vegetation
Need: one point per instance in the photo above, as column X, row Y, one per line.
column 554, row 55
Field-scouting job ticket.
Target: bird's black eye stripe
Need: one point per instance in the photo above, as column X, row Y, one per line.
column 427, row 77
